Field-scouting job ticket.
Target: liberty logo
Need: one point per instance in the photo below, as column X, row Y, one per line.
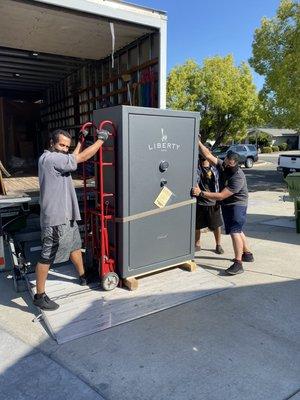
column 164, row 137
column 163, row 145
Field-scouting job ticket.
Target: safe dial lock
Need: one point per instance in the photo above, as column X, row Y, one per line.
column 163, row 166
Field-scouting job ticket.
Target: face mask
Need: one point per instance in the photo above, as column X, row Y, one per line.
column 59, row 151
column 229, row 170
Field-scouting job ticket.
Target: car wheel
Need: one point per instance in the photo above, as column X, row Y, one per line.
column 249, row 162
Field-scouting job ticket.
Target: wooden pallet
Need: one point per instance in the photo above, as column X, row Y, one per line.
column 132, row 283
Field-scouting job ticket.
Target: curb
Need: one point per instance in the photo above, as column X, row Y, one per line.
column 260, row 163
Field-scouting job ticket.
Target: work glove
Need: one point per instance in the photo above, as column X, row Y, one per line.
column 102, row 135
column 83, row 135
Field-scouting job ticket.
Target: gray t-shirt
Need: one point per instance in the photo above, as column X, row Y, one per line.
column 58, row 199
column 236, row 184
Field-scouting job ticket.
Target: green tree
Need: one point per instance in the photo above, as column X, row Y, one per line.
column 224, row 95
column 276, row 56
column 262, row 139
column 183, row 86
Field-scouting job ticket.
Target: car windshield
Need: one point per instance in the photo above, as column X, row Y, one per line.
column 221, row 149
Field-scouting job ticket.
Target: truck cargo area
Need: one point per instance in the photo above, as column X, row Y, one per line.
column 58, row 64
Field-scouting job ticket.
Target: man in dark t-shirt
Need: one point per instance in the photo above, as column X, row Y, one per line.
column 234, row 197
column 208, row 211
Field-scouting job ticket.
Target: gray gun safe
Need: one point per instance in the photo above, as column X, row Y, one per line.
column 154, row 149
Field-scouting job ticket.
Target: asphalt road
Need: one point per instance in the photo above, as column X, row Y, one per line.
column 264, row 175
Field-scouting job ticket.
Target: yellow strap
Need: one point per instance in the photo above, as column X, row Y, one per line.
column 154, row 212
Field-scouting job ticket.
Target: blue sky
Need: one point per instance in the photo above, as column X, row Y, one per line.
column 205, row 28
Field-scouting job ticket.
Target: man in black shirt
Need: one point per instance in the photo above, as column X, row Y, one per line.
column 208, row 211
column 234, row 196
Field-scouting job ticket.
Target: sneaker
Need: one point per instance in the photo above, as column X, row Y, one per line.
column 44, row 303
column 219, row 249
column 235, row 268
column 247, row 257
column 82, row 280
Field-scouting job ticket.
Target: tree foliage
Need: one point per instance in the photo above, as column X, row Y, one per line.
column 262, row 139
column 276, row 56
column 224, row 95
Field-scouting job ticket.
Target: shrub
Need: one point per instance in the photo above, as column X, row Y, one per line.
column 283, row 146
column 263, row 140
column 275, row 148
column 267, row 149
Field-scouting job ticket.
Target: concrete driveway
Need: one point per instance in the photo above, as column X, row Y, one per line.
column 240, row 344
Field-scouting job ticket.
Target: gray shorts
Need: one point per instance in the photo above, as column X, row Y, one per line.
column 59, row 241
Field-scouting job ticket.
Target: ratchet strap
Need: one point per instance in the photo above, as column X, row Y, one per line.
column 154, row 212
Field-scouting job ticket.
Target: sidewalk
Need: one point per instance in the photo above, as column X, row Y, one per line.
column 27, row 373
column 242, row 343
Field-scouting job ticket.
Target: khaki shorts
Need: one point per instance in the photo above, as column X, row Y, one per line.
column 59, row 241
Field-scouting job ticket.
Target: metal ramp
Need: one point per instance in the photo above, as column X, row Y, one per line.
column 86, row 310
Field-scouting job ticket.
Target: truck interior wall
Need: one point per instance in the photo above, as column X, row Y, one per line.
column 104, row 83
column 20, row 133
column 25, row 121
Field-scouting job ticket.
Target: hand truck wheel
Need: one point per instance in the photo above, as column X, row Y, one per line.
column 18, row 281
column 110, row 281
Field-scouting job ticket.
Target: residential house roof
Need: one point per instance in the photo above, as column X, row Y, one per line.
column 275, row 132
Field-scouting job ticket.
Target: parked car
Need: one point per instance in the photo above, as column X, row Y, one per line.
column 247, row 152
column 288, row 163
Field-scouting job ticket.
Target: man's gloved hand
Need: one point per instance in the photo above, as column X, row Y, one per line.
column 83, row 135
column 102, row 134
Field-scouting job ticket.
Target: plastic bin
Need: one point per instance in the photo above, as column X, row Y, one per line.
column 293, row 181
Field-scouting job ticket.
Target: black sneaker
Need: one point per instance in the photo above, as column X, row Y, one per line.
column 82, row 280
column 235, row 268
column 219, row 249
column 44, row 303
column 247, row 257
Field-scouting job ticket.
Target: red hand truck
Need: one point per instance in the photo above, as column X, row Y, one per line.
column 97, row 239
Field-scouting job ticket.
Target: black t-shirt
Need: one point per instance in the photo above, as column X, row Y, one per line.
column 207, row 183
column 236, row 183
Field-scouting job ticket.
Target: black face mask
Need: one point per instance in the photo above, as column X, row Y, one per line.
column 229, row 171
column 58, row 151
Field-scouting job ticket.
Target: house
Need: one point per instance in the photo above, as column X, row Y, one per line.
column 279, row 136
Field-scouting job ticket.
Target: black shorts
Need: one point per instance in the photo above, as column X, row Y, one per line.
column 208, row 217
column 234, row 217
column 59, row 241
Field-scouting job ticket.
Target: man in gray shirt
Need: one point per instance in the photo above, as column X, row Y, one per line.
column 59, row 209
column 234, row 196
